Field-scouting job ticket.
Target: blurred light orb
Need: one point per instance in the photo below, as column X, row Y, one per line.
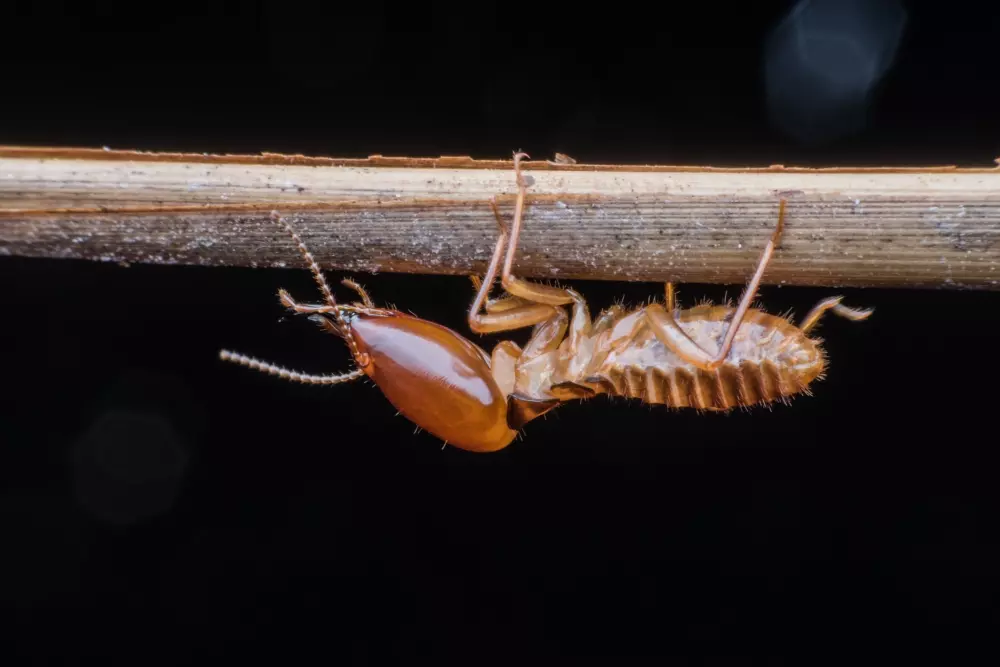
column 129, row 467
column 823, row 61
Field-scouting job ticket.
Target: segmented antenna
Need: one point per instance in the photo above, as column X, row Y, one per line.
column 359, row 358
column 294, row 376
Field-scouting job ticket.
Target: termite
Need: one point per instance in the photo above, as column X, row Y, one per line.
column 710, row 357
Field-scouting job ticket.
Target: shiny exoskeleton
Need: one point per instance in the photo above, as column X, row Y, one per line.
column 706, row 357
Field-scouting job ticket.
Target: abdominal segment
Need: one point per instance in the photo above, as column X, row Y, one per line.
column 771, row 360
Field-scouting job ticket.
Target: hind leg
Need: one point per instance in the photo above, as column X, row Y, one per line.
column 670, row 333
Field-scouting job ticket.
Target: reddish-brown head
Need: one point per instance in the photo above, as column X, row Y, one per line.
column 435, row 378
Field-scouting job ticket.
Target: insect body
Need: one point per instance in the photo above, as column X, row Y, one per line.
column 707, row 357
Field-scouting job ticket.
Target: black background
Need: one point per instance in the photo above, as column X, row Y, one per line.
column 158, row 504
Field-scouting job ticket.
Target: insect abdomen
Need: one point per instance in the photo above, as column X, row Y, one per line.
column 771, row 360
column 730, row 386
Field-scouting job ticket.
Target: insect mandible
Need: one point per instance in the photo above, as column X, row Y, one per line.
column 709, row 357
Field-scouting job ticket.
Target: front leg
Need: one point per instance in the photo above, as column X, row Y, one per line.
column 304, row 308
column 527, row 308
column 511, row 314
column 526, row 298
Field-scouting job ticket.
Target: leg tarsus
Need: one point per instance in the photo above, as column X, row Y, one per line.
column 833, row 303
column 496, row 214
column 518, row 156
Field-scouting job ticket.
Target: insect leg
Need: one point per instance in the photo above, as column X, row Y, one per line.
column 303, row 308
column 671, row 297
column 674, row 338
column 509, row 301
column 499, row 305
column 516, row 312
column 516, row 318
column 669, row 332
column 832, row 303
column 553, row 296
column 315, row 308
column 362, row 292
column 503, row 303
column 547, row 335
column 535, row 292
column 310, row 308
column 511, row 315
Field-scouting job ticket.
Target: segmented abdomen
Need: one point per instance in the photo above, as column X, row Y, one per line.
column 725, row 388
